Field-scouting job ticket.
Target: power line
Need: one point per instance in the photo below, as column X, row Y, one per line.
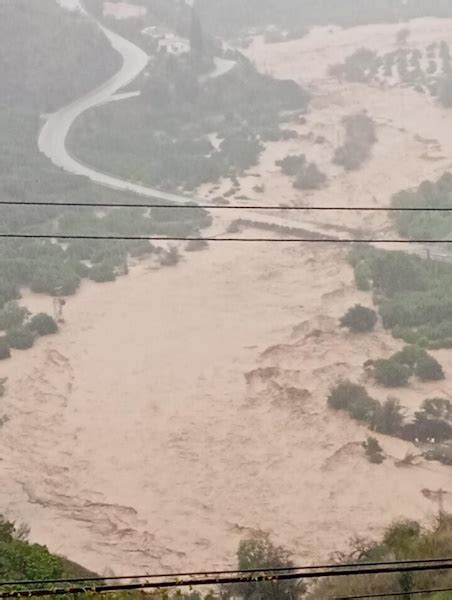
column 324, row 240
column 350, row 565
column 253, row 578
column 393, row 594
column 226, row 207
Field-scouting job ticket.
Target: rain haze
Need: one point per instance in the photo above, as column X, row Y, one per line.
column 225, row 294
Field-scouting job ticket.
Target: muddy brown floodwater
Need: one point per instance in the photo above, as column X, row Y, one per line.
column 178, row 409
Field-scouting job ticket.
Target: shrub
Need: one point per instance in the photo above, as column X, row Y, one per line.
column 439, row 408
column 4, row 349
column 346, row 392
column 374, row 451
column 442, row 454
column 388, row 419
column 409, row 355
column 196, row 245
column 12, row 315
column 310, row 178
column 43, row 324
column 359, row 319
column 170, row 258
column 102, row 273
column 55, row 278
column 354, row 399
column 258, row 552
column 429, row 369
column 390, row 373
column 291, row 165
column 425, row 428
column 20, row 338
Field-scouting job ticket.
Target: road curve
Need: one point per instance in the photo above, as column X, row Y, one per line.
column 53, row 135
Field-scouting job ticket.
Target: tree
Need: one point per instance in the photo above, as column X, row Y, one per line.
column 440, row 408
column 309, row 178
column 390, row 373
column 12, row 315
column 196, row 34
column 409, row 355
column 20, row 338
column 355, row 400
column 374, row 451
column 43, row 324
column 359, row 319
column 389, row 418
column 291, row 164
column 429, row 369
column 102, row 273
column 258, row 552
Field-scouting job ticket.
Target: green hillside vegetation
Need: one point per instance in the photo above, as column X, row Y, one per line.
column 402, row 540
column 412, row 294
column 388, row 417
column 42, row 72
column 22, row 560
column 48, row 72
column 360, row 136
column 425, row 225
column 164, row 137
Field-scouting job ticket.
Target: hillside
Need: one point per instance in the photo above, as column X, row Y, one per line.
column 41, row 71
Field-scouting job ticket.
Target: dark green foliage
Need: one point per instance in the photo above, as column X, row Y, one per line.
column 55, row 278
column 429, row 369
column 360, row 137
column 388, row 418
column 391, row 373
column 409, row 355
column 374, row 451
column 359, row 67
column 34, row 74
column 102, row 273
column 425, row 428
column 310, row 178
column 4, row 349
column 43, row 324
column 291, row 165
column 425, row 225
column 413, row 295
column 196, row 245
column 354, row 399
column 41, row 75
column 258, row 552
column 20, row 338
column 243, row 108
column 22, row 560
column 170, row 257
column 440, row 453
column 359, row 319
column 403, row 540
column 439, row 408
column 12, row 315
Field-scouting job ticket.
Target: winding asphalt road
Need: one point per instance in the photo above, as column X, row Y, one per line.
column 53, row 136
